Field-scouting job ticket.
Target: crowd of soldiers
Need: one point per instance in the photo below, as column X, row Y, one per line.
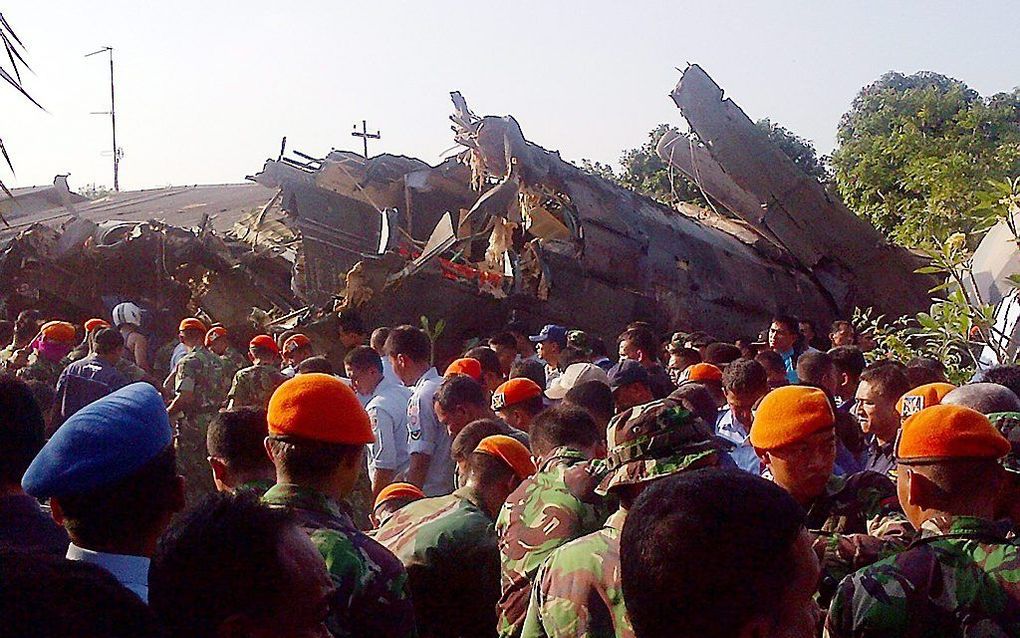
column 792, row 484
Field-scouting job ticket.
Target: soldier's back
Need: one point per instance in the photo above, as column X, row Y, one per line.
column 253, row 386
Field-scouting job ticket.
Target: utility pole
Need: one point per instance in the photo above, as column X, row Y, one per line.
column 365, row 135
column 117, row 153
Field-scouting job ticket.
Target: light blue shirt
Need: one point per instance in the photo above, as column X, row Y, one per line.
column 388, row 373
column 387, row 409
column 727, row 427
column 426, row 435
column 789, row 358
column 130, row 571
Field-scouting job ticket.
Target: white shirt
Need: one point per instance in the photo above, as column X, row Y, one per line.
column 130, row 571
column 743, row 454
column 387, row 409
column 426, row 435
column 388, row 373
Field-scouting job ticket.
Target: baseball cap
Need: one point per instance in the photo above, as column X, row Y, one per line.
column 551, row 332
column 626, row 372
column 574, row 375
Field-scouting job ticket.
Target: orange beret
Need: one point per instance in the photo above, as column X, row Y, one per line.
column 398, row 490
column 191, row 323
column 294, row 342
column 264, row 341
column 95, row 324
column 921, row 397
column 319, row 407
column 790, row 414
column 58, row 331
column 466, row 366
column 701, row 372
column 949, row 432
column 510, row 451
column 513, row 392
column 214, row 334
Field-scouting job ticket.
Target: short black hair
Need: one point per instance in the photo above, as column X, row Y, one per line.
column 364, row 358
column 571, row 355
column 487, row 357
column 350, row 321
column 812, row 367
column 308, row 461
column 504, row 339
column 692, row 535
column 922, row 370
column 238, row 437
column 848, row 360
column 889, row 379
column 788, row 322
column 1008, row 376
column 22, row 429
column 528, row 369
column 721, row 354
column 378, row 339
column 593, row 396
column 410, row 342
column 51, row 596
column 107, row 340
column 221, row 558
column 809, row 322
column 563, row 425
column 318, row 364
column 771, row 361
column 643, row 339
column 459, row 390
column 468, row 439
column 698, row 399
column 745, row 376
column 126, row 510
column 839, row 324
column 485, row 469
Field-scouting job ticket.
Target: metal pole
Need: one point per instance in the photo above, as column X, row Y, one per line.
column 113, row 125
column 364, row 132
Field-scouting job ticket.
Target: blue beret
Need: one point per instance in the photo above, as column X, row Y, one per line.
column 102, row 443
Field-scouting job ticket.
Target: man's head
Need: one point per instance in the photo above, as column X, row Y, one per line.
column 492, row 370
column 465, row 366
column 774, row 366
column 263, row 349
column 317, row 434
column 22, row 431
column 744, row 384
column 682, row 545
column 595, row 398
column 698, row 399
column 842, row 334
column 948, row 463
column 567, row 426
column 410, row 353
column 794, row 435
column 721, row 354
column 110, row 472
column 639, row 344
column 468, row 439
column 391, row 498
column 521, row 333
column 1008, row 376
column 680, row 358
column 880, row 387
column 459, row 401
column 849, row 362
column 317, row 363
column 807, row 329
column 364, row 368
column 496, row 467
column 575, row 374
column 235, row 441
column 986, row 398
column 233, row 567
column 629, row 382
column 922, row 370
column 709, row 376
column 191, row 333
column 783, row 333
column 109, row 344
column 216, row 340
column 378, row 340
column 352, row 332
column 296, row 349
column 505, row 346
column 921, row 397
column 517, row 402
column 817, row 369
column 550, row 341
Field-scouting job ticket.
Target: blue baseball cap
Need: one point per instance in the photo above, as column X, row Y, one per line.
column 625, row 372
column 551, row 332
column 104, row 442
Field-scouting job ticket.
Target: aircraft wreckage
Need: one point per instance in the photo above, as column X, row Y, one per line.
column 508, row 229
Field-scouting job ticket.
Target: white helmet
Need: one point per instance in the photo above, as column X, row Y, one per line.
column 127, row 312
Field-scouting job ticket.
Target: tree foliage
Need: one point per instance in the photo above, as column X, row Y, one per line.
column 915, row 154
column 798, row 149
column 12, row 62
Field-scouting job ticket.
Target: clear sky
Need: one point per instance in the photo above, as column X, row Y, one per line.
column 206, row 89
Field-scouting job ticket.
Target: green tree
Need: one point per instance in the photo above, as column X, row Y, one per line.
column 798, row 149
column 915, row 154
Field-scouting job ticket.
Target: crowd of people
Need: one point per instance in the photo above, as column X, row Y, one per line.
column 778, row 485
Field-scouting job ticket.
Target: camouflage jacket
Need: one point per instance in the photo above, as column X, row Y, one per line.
column 130, row 371
column 253, row 386
column 41, row 369
column 448, row 545
column 539, row 516
column 960, row 578
column 577, row 591
column 232, row 361
column 371, row 598
column 199, row 372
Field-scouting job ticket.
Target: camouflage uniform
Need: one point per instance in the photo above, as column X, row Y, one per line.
column 855, row 522
column 539, row 516
column 253, row 386
column 372, row 589
column 197, row 372
column 448, row 545
column 41, row 369
column 960, row 578
column 577, row 591
column 232, row 361
column 130, row 371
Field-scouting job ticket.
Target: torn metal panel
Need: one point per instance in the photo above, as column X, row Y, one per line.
column 737, row 165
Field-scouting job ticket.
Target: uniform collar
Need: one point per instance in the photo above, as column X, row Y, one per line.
column 471, row 496
column 563, row 454
column 428, row 375
column 130, row 571
column 301, row 497
column 964, row 527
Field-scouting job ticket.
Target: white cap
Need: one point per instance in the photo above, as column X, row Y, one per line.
column 574, row 375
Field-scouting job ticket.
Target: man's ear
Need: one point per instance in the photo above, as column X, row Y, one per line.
column 269, row 449
column 219, row 469
column 919, row 489
column 56, row 511
column 764, row 455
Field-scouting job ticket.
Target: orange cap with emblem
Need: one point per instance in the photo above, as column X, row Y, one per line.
column 214, row 334
column 921, row 397
column 264, row 341
column 95, row 324
column 466, row 366
column 790, row 414
column 510, row 451
column 58, row 331
column 701, row 372
column 398, row 490
column 319, row 407
column 191, row 323
column 949, row 432
column 295, row 342
column 513, row 392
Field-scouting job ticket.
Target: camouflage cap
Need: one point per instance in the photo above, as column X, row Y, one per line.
column 653, row 440
column 1008, row 423
column 579, row 339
